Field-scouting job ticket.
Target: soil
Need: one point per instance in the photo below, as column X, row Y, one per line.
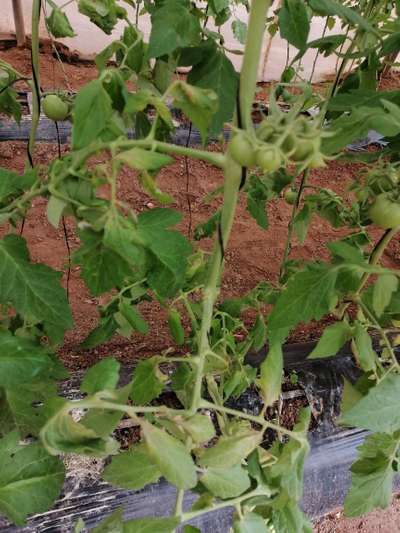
column 253, row 254
column 381, row 521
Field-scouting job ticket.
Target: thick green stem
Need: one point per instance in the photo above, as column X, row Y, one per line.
column 35, row 84
column 251, row 59
column 232, row 178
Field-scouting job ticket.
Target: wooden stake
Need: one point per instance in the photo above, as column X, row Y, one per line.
column 19, row 22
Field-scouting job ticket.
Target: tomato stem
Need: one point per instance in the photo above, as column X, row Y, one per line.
column 35, row 82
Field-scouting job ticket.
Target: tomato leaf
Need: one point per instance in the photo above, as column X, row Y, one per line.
column 378, row 410
column 28, row 286
column 199, row 427
column 348, row 14
column 226, row 483
column 362, row 348
column 21, row 360
column 229, row 450
column 30, row 479
column 173, row 26
column 271, row 375
column 144, row 159
column 108, row 259
column 62, row 434
column 288, row 469
column 103, row 13
column 10, row 105
column 103, row 332
column 23, row 408
column 105, row 421
column 385, row 286
column 170, row 250
column 103, row 375
column 332, row 339
column 372, row 475
column 132, row 469
column 250, row 523
column 199, row 105
column 294, row 24
column 309, row 295
column 216, row 72
column 146, row 384
column 92, row 111
column 171, row 457
column 239, row 29
column 151, row 525
column 59, row 25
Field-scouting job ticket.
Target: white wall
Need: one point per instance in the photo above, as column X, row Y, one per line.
column 90, row 40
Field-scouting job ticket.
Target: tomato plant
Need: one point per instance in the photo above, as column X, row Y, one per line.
column 130, row 257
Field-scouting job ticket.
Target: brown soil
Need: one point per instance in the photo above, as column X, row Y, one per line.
column 381, row 521
column 53, row 74
column 253, row 255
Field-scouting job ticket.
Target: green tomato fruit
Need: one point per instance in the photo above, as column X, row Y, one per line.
column 317, row 161
column 385, row 212
column 290, row 196
column 269, row 159
column 289, row 144
column 304, row 150
column 265, row 131
column 242, row 151
column 55, row 108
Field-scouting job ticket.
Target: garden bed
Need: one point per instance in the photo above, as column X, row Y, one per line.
column 253, row 255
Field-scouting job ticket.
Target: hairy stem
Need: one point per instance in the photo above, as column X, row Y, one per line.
column 222, row 505
column 35, row 83
column 251, row 59
column 377, row 253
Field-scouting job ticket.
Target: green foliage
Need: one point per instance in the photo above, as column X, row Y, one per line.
column 377, row 411
column 333, row 338
column 226, row 483
column 167, row 452
column 30, row 479
column 129, row 255
column 92, row 112
column 173, row 26
column 59, row 24
column 26, row 286
column 132, row 469
column 372, row 474
column 294, row 23
column 310, row 294
column 215, row 72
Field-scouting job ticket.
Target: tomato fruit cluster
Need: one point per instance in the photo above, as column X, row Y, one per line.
column 279, row 141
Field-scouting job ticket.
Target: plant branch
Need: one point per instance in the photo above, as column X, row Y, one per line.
column 35, row 83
